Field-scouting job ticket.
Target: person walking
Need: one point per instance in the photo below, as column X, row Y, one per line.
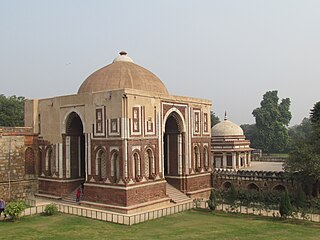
column 82, row 189
column 2, row 207
column 78, row 195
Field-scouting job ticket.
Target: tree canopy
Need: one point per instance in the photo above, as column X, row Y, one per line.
column 214, row 119
column 304, row 158
column 11, row 111
column 272, row 120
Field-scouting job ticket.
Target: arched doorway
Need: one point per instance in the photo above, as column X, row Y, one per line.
column 173, row 146
column 75, row 147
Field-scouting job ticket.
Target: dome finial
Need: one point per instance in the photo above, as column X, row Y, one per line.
column 225, row 116
column 123, row 53
column 123, row 57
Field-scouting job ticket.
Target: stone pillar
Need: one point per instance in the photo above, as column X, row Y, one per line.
column 249, row 159
column 179, row 154
column 224, row 160
column 168, row 155
column 234, row 160
column 245, row 159
column 239, row 160
column 79, row 155
column 212, row 163
column 60, row 160
column 67, row 156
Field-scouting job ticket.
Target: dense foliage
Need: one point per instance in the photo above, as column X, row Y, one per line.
column 14, row 209
column 304, row 159
column 212, row 202
column 50, row 209
column 270, row 132
column 214, row 119
column 267, row 200
column 11, row 111
column 272, row 120
column 285, row 207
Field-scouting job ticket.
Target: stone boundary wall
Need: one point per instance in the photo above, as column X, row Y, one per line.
column 18, row 175
column 14, row 130
column 249, row 173
column 245, row 179
column 107, row 216
column 20, row 189
column 255, row 211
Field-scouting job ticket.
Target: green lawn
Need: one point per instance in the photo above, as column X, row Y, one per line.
column 186, row 225
column 277, row 155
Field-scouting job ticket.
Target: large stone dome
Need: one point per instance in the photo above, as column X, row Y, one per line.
column 226, row 128
column 123, row 73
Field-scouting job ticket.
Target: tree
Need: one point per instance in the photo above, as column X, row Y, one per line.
column 250, row 131
column 212, row 202
column 300, row 132
column 315, row 122
column 272, row 120
column 300, row 198
column 304, row 158
column 11, row 111
column 315, row 114
column 214, row 119
column 285, row 207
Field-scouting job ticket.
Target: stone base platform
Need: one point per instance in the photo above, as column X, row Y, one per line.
column 130, row 209
column 111, row 216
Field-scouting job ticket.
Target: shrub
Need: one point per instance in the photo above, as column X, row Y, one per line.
column 285, row 207
column 14, row 209
column 50, row 209
column 212, row 202
column 231, row 196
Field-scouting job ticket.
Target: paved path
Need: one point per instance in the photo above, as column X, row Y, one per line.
column 265, row 166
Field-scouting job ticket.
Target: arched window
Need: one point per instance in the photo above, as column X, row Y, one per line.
column 115, row 165
column 101, row 164
column 136, row 165
column 149, row 165
column 29, row 161
column 196, row 154
column 205, row 157
column 50, row 167
column 226, row 185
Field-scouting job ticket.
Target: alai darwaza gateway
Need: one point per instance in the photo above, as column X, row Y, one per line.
column 124, row 138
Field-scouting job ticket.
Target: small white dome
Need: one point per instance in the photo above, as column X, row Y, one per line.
column 123, row 57
column 226, row 128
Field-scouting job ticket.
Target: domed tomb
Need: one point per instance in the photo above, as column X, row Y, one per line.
column 229, row 148
column 226, row 128
column 123, row 73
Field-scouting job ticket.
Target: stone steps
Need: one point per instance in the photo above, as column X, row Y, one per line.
column 175, row 195
column 71, row 198
column 47, row 196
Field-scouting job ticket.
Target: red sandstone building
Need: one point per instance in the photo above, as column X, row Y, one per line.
column 125, row 137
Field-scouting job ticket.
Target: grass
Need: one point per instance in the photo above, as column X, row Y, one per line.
column 277, row 155
column 187, row 225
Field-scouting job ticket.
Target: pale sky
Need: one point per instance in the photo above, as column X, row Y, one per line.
column 230, row 52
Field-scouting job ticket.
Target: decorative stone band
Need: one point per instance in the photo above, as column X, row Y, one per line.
column 124, row 187
column 61, row 180
column 189, row 176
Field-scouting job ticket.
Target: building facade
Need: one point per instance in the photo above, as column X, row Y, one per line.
column 18, row 163
column 229, row 147
column 124, row 137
